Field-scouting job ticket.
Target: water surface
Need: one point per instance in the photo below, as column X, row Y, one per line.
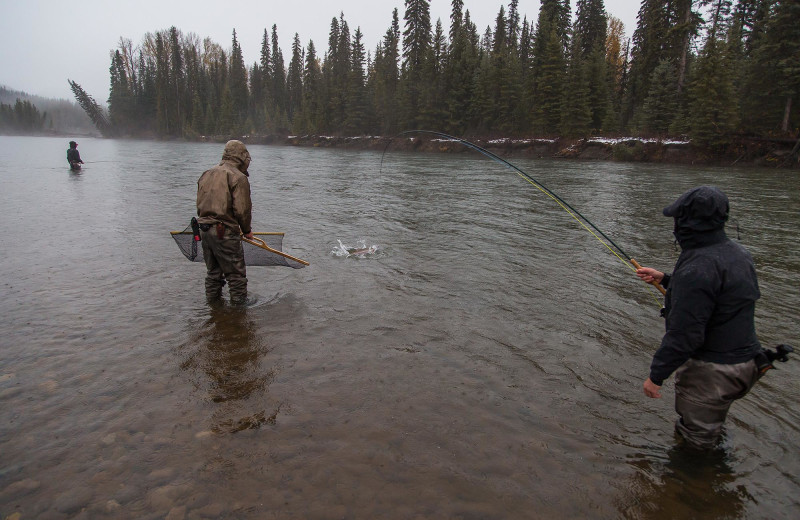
column 485, row 361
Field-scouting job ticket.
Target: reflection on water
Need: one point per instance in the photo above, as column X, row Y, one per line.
column 484, row 361
column 685, row 484
column 227, row 359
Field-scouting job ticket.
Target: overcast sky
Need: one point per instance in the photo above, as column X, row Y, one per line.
column 45, row 42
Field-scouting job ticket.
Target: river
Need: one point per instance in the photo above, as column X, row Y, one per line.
column 485, row 360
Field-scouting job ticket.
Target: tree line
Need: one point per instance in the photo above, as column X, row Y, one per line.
column 22, row 116
column 707, row 69
column 24, row 113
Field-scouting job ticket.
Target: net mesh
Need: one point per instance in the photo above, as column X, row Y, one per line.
column 253, row 254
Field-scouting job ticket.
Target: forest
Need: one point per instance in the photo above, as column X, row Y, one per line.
column 23, row 113
column 707, row 70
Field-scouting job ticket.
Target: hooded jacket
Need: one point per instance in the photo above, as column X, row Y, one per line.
column 712, row 292
column 223, row 192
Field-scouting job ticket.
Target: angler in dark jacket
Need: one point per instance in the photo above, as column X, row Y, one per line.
column 710, row 341
column 73, row 156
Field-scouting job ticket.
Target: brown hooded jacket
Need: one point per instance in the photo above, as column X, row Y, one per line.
column 223, row 192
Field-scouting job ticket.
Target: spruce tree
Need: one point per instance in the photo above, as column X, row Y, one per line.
column 416, row 47
column 121, row 108
column 661, row 105
column 356, row 102
column 771, row 92
column 713, row 114
column 549, row 65
column 385, row 77
column 279, row 96
column 237, row 81
column 294, row 80
column 576, row 110
column 312, row 92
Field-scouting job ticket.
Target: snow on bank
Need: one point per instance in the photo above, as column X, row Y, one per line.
column 617, row 140
column 502, row 141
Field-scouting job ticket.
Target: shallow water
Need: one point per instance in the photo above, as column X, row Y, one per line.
column 485, row 361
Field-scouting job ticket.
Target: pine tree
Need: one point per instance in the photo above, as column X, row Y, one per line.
column 549, row 65
column 416, row 47
column 661, row 105
column 294, row 80
column 356, row 117
column 664, row 31
column 713, row 115
column 576, row 110
column 120, row 99
column 311, row 107
column 460, row 68
column 237, row 81
column 92, row 109
column 174, row 98
column 384, row 78
column 588, row 66
column 772, row 88
column 279, row 94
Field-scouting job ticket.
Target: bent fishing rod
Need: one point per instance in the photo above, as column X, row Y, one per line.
column 574, row 213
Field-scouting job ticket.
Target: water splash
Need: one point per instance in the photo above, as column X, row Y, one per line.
column 360, row 250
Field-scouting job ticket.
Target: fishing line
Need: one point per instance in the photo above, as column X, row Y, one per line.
column 575, row 214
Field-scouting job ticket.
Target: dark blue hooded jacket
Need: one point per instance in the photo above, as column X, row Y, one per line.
column 712, row 292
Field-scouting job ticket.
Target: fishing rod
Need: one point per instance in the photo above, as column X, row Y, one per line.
column 577, row 215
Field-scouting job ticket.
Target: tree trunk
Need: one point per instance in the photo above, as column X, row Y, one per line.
column 786, row 112
column 685, row 51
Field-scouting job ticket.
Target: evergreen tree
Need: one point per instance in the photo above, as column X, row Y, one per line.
column 433, row 109
column 162, row 87
column 311, row 108
column 460, row 68
column 279, row 94
column 713, row 115
column 664, row 32
column 174, row 97
column 198, row 117
column 772, row 87
column 661, row 105
column 356, row 117
column 549, row 65
column 92, row 109
column 294, row 81
column 22, row 117
column 237, row 84
column 576, row 110
column 385, row 77
column 416, row 47
column 266, row 99
column 121, row 108
column 588, row 66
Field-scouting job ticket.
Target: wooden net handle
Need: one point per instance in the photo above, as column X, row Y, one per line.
column 263, row 245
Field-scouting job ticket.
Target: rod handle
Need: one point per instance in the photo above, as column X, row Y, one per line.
column 653, row 283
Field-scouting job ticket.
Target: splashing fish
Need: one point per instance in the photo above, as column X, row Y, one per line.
column 359, row 250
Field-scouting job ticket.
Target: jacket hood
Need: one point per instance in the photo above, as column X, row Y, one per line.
column 236, row 152
column 700, row 209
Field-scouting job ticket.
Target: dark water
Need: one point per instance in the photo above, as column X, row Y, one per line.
column 485, row 361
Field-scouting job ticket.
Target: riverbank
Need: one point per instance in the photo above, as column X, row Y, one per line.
column 758, row 152
column 745, row 151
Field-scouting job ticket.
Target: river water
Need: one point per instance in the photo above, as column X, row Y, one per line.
column 485, row 360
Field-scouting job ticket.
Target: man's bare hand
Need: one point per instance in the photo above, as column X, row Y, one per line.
column 651, row 389
column 649, row 275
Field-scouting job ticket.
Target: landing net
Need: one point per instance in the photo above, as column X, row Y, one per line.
column 265, row 250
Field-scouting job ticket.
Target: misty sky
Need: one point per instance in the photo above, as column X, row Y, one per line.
column 45, row 42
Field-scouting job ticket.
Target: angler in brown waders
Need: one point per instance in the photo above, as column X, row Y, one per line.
column 224, row 212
